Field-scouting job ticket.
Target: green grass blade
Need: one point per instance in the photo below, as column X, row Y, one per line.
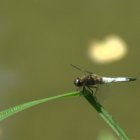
column 13, row 110
column 105, row 115
column 91, row 99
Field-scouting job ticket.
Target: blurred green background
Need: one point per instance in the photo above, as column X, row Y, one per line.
column 38, row 41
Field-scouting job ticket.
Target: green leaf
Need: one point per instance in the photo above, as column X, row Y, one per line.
column 89, row 97
column 105, row 115
column 13, row 110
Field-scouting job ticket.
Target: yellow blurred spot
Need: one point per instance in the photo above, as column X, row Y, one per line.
column 111, row 49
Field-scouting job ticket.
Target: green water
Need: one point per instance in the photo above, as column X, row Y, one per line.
column 38, row 41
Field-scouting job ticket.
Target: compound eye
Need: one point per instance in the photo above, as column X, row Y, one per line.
column 77, row 82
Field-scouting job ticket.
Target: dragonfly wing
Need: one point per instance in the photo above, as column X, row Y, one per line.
column 103, row 92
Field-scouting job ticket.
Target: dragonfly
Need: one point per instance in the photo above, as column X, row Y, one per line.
column 90, row 80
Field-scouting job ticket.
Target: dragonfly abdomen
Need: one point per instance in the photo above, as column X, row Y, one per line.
column 116, row 79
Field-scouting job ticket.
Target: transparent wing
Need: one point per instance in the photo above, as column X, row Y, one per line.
column 102, row 92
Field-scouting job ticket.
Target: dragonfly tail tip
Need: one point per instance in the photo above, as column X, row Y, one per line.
column 132, row 79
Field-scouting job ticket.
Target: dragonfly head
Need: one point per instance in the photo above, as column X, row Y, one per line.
column 78, row 82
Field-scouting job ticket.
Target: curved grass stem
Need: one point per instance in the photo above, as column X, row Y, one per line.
column 89, row 97
column 105, row 115
column 13, row 110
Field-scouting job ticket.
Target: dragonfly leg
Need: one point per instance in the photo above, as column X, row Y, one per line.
column 83, row 90
column 89, row 88
column 92, row 92
column 78, row 89
column 96, row 89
